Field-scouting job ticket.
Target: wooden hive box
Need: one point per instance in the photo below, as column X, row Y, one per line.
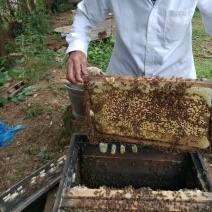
column 149, row 180
column 172, row 115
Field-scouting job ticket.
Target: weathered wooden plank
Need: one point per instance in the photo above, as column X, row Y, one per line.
column 32, row 187
column 114, row 205
column 148, row 80
column 50, row 199
column 144, row 193
column 102, row 31
column 134, row 199
column 15, row 89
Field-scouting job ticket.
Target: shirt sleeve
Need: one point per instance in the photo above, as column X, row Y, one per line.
column 90, row 13
column 205, row 7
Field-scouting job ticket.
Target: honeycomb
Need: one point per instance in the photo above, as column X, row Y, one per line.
column 172, row 111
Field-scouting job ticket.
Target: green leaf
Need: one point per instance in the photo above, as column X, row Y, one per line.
column 26, row 89
column 113, row 39
column 15, row 100
column 13, row 74
column 11, row 96
column 17, row 61
column 90, row 52
column 21, row 98
column 28, row 93
column 41, row 154
column 3, row 100
column 43, row 149
column 2, row 77
column 30, row 88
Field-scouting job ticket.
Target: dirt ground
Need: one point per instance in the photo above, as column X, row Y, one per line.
column 47, row 134
column 44, row 116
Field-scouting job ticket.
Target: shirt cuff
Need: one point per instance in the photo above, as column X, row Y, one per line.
column 77, row 45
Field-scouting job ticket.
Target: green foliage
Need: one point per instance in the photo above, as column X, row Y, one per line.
column 21, row 96
column 63, row 109
column 113, row 39
column 4, row 64
column 3, row 77
column 37, row 24
column 99, row 52
column 201, row 48
column 16, row 175
column 204, row 67
column 33, row 111
column 43, row 154
column 30, row 43
column 4, row 74
column 54, row 88
column 14, row 74
column 36, row 57
column 31, row 150
column 3, row 100
column 61, row 6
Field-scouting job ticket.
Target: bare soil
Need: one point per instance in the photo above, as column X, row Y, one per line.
column 48, row 122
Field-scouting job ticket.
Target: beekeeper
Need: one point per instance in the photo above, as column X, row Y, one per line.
column 153, row 38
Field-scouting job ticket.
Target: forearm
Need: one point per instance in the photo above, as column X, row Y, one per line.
column 90, row 13
column 79, row 37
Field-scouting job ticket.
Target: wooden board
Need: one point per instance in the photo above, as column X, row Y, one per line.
column 129, row 199
column 102, row 31
column 32, row 187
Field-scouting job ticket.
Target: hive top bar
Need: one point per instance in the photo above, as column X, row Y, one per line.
column 168, row 113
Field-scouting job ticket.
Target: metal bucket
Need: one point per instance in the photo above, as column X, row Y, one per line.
column 76, row 96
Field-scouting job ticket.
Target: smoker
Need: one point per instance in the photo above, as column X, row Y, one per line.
column 143, row 147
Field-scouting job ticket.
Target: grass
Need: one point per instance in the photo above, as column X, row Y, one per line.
column 202, row 48
column 16, row 175
column 33, row 111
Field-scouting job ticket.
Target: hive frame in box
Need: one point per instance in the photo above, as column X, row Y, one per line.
column 94, row 84
column 71, row 197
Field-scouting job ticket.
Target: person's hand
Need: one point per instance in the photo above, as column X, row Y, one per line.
column 76, row 67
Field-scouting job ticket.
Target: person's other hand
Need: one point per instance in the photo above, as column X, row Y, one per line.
column 76, row 67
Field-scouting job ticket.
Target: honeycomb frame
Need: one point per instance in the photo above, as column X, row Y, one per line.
column 166, row 113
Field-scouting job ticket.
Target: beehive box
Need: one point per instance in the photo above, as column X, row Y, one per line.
column 149, row 180
column 171, row 114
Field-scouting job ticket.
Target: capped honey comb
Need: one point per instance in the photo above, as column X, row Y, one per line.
column 155, row 111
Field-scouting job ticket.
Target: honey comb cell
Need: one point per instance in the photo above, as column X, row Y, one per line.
column 156, row 111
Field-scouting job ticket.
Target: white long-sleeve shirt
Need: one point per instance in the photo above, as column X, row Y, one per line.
column 151, row 40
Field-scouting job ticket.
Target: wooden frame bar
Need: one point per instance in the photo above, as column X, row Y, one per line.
column 133, row 200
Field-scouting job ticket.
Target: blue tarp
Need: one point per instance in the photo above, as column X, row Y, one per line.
column 7, row 134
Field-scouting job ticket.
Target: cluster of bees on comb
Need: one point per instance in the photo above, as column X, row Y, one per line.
column 144, row 199
column 174, row 111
